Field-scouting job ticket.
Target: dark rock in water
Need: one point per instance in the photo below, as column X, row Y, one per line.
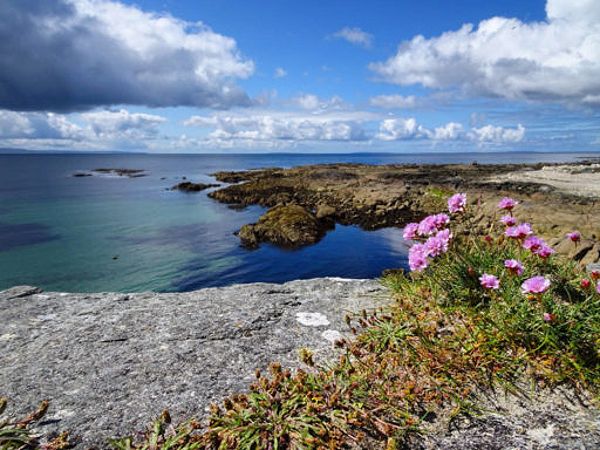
column 287, row 226
column 131, row 173
column 188, row 186
column 82, row 174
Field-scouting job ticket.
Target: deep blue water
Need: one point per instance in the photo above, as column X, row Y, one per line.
column 105, row 233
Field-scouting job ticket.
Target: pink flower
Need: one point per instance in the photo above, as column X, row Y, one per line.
column 457, row 203
column 575, row 236
column 585, row 283
column 595, row 275
column 431, row 224
column 417, row 258
column 489, row 281
column 507, row 203
column 441, row 220
column 438, row 244
column 427, row 226
column 519, row 232
column 533, row 243
column 514, row 266
column 410, row 231
column 549, row 317
column 509, row 221
column 544, row 251
column 598, row 287
column 535, row 285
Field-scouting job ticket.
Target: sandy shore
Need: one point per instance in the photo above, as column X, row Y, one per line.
column 579, row 180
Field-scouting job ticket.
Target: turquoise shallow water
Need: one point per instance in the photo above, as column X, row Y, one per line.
column 107, row 233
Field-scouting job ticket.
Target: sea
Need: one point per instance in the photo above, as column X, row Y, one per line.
column 110, row 233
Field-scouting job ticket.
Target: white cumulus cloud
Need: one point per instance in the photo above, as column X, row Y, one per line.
column 355, row 36
column 393, row 101
column 93, row 130
column 490, row 133
column 292, row 127
column 553, row 60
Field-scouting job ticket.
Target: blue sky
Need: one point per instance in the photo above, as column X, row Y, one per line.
column 281, row 75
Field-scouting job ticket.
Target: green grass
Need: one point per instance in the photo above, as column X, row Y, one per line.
column 16, row 434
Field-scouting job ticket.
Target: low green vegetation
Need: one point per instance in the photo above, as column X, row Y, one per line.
column 477, row 311
column 16, row 434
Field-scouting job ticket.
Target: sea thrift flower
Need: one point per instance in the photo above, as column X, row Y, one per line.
column 441, row 220
column 410, row 231
column 595, row 275
column 575, row 236
column 489, row 281
column 585, row 283
column 519, row 232
column 509, row 221
column 514, row 266
column 535, row 285
column 549, row 317
column 507, row 203
column 438, row 244
column 417, row 258
column 533, row 243
column 544, row 251
column 598, row 287
column 427, row 226
column 457, row 203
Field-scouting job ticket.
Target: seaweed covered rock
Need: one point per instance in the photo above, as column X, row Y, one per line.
column 288, row 226
column 187, row 186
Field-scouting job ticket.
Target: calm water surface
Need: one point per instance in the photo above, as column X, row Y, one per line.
column 107, row 233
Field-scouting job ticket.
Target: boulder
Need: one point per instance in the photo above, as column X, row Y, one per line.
column 187, row 186
column 289, row 226
column 324, row 210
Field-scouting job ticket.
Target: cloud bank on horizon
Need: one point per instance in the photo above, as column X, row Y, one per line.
column 109, row 75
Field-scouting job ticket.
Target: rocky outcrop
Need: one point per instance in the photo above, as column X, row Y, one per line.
column 393, row 195
column 288, row 226
column 188, row 186
column 109, row 363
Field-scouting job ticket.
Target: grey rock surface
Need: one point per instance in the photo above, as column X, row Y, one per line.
column 109, row 363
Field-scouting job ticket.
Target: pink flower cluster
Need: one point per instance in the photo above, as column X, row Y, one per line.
column 489, row 281
column 514, row 266
column 433, row 229
column 575, row 236
column 509, row 221
column 507, row 203
column 428, row 226
column 434, row 246
column 535, row 285
column 457, row 203
column 538, row 246
column 520, row 231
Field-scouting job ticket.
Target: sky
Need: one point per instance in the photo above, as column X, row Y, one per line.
column 204, row 76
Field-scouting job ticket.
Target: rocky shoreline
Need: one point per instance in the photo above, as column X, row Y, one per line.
column 111, row 362
column 372, row 197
